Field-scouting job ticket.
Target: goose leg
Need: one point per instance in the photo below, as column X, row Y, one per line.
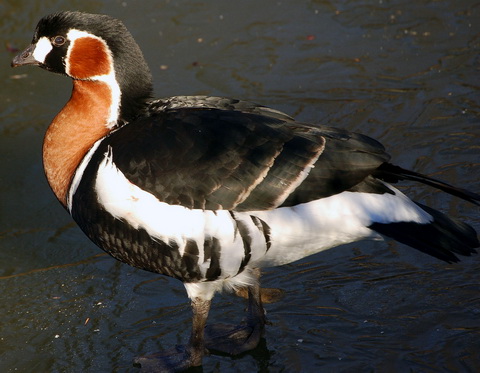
column 181, row 358
column 236, row 339
column 196, row 345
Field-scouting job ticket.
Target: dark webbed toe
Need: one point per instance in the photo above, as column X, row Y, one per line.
column 236, row 339
column 233, row 339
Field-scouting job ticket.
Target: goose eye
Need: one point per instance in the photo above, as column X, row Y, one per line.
column 58, row 41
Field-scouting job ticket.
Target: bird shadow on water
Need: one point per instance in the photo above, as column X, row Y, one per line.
column 260, row 354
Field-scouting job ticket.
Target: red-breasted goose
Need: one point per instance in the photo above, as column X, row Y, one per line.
column 208, row 190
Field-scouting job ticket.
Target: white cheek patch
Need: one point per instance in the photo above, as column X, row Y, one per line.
column 42, row 49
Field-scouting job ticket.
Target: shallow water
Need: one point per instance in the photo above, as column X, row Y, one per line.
column 406, row 73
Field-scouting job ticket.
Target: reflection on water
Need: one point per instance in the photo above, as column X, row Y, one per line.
column 402, row 72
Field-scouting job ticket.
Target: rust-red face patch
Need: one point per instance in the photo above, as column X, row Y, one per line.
column 89, row 57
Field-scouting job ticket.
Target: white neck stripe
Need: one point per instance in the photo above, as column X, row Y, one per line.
column 109, row 79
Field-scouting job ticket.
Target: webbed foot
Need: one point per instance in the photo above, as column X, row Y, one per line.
column 233, row 339
column 186, row 358
column 236, row 339
column 174, row 360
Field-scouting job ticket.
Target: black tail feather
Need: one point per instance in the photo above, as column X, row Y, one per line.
column 392, row 174
column 442, row 238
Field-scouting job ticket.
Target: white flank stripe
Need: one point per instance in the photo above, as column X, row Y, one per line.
column 42, row 48
column 306, row 229
column 168, row 223
column 295, row 232
column 141, row 209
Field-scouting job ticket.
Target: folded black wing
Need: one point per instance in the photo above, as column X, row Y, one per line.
column 234, row 155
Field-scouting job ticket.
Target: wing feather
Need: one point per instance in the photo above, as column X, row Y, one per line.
column 234, row 155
